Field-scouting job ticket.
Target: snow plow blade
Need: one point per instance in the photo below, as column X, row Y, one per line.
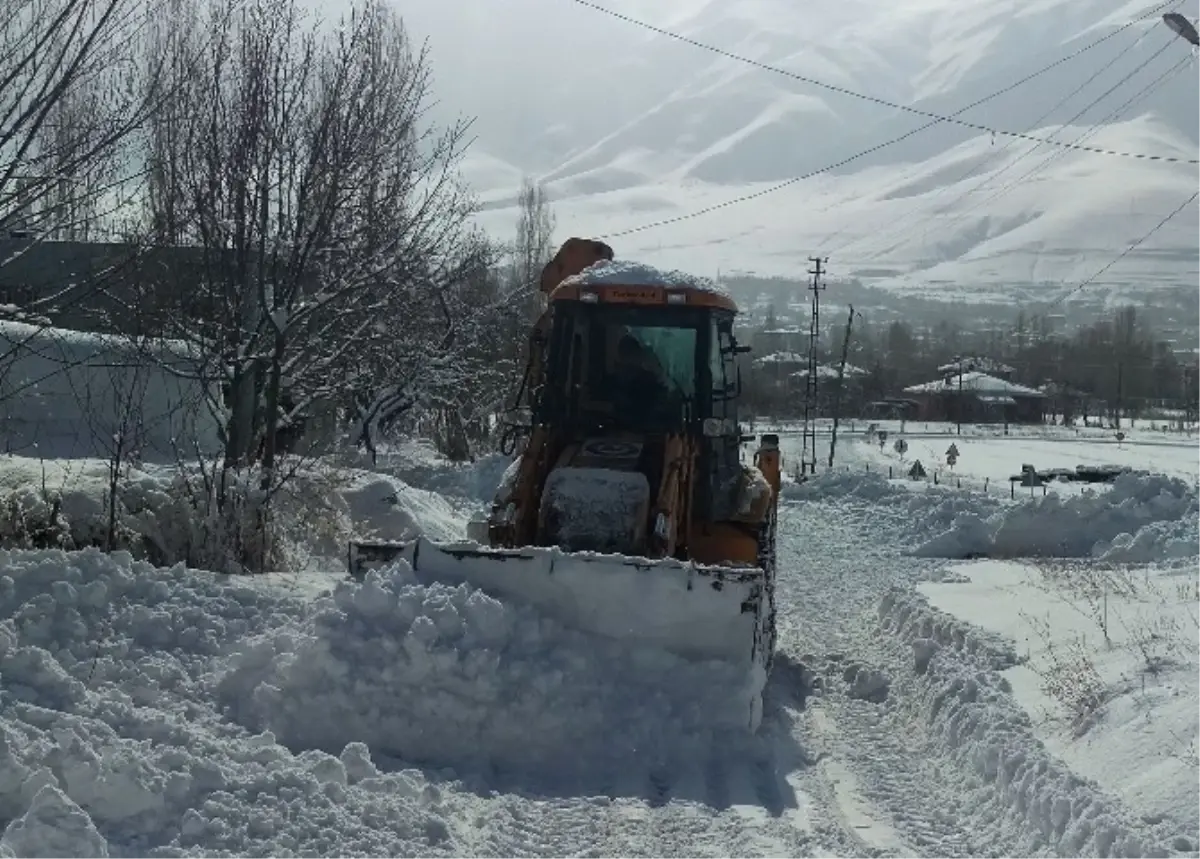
column 695, row 611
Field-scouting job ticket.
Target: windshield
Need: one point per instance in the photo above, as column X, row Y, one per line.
column 630, row 367
column 674, row 350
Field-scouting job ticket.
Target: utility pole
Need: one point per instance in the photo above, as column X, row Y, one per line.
column 1120, row 392
column 959, row 408
column 808, row 454
column 959, row 405
column 837, row 402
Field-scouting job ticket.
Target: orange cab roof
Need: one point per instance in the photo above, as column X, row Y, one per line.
column 683, row 295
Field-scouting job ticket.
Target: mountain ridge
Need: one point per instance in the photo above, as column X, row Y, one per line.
column 656, row 129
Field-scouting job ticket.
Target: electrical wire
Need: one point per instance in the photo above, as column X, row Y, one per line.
column 733, row 201
column 1009, row 143
column 1094, row 129
column 908, row 227
column 937, row 117
column 1125, row 252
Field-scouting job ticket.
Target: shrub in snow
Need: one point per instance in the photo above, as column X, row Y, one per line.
column 446, row 674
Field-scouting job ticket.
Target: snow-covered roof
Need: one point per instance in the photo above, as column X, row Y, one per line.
column 782, row 358
column 976, row 383
column 983, row 365
column 629, row 273
column 829, row 371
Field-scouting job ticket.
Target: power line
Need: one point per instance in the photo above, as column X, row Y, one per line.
column 937, row 117
column 1035, row 124
column 1090, row 132
column 907, row 227
column 733, row 201
column 1125, row 252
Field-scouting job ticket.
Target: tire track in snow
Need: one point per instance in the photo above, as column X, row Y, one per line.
column 751, row 797
column 884, row 773
column 948, row 772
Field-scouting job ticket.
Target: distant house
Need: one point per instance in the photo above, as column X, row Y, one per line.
column 778, row 366
column 979, row 398
column 829, row 372
column 892, row 408
column 790, row 339
column 980, row 364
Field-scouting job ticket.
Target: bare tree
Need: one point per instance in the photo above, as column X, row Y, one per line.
column 329, row 216
column 534, row 244
column 68, row 106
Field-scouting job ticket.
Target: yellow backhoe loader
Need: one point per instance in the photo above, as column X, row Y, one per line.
column 629, row 511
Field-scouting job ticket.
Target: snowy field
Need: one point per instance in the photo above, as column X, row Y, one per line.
column 987, row 457
column 959, row 674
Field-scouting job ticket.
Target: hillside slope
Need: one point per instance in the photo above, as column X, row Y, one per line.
column 630, row 127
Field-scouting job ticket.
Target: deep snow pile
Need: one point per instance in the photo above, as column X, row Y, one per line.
column 965, row 701
column 417, row 462
column 1107, row 664
column 163, row 513
column 1140, row 518
column 925, row 510
column 120, row 709
column 449, row 674
column 107, row 729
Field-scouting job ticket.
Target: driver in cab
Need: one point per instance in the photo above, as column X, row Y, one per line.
column 640, row 380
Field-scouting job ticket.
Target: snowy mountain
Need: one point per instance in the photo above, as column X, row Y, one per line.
column 629, row 127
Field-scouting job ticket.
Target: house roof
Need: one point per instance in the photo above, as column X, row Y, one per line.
column 983, row 365
column 975, row 383
column 783, row 358
column 829, row 371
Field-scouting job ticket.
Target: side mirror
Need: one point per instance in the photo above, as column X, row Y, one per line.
column 522, row 418
column 732, row 347
column 719, row 427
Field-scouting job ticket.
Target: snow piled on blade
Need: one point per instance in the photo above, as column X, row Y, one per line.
column 127, row 727
column 449, row 674
column 110, row 743
column 628, row 273
column 662, row 603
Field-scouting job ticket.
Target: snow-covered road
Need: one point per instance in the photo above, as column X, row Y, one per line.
column 919, row 747
column 171, row 712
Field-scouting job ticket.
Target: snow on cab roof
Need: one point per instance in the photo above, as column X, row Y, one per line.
column 628, row 273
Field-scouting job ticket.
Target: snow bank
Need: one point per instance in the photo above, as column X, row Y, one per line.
column 923, row 509
column 69, row 394
column 65, row 504
column 1142, row 517
column 1138, row 518
column 861, row 485
column 1133, row 662
column 449, row 674
column 110, row 742
column 627, row 273
column 417, row 463
column 967, row 704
